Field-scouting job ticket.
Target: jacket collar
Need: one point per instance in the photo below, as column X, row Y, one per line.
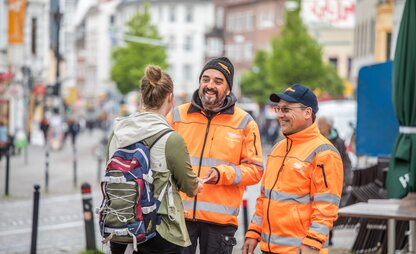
column 227, row 108
column 309, row 133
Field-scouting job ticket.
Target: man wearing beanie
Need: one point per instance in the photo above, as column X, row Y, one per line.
column 301, row 188
column 225, row 149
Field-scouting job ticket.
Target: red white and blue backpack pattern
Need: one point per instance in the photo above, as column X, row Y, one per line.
column 128, row 213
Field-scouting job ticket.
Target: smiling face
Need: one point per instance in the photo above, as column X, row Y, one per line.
column 293, row 117
column 213, row 89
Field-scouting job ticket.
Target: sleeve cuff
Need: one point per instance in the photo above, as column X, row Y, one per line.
column 312, row 242
column 253, row 234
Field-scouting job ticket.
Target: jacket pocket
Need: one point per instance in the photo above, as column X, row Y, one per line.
column 297, row 221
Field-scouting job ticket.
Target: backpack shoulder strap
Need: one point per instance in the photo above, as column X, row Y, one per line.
column 158, row 136
column 107, row 148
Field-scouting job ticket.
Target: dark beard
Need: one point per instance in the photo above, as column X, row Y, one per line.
column 214, row 104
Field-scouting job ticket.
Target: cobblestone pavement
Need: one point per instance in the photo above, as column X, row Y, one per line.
column 61, row 225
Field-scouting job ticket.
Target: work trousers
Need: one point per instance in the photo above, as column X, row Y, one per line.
column 213, row 238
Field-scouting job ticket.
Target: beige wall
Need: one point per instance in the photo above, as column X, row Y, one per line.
column 384, row 26
column 336, row 43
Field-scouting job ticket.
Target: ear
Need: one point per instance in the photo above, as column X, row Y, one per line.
column 308, row 113
column 170, row 98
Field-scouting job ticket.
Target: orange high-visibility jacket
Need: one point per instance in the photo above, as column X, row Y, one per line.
column 300, row 194
column 228, row 141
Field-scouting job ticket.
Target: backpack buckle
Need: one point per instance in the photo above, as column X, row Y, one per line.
column 115, row 179
column 121, row 232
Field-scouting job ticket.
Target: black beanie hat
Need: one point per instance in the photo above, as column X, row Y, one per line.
column 224, row 65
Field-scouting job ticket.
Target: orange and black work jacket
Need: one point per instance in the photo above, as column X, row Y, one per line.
column 300, row 194
column 229, row 141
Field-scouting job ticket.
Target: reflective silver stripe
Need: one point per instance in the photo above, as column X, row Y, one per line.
column 257, row 220
column 238, row 175
column 327, row 197
column 176, row 115
column 326, row 243
column 287, row 197
column 209, row 207
column 319, row 149
column 281, row 240
column 209, row 162
column 247, row 118
column 317, row 227
column 256, row 163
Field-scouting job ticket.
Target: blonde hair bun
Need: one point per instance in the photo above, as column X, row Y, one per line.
column 153, row 74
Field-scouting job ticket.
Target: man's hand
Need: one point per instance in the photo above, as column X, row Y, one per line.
column 211, row 176
column 200, row 186
column 249, row 246
column 305, row 249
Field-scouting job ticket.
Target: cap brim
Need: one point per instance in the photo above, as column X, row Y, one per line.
column 276, row 97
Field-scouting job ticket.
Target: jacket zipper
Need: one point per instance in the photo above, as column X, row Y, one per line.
column 323, row 173
column 200, row 161
column 255, row 138
column 271, row 189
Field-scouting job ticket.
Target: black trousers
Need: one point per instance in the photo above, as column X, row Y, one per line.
column 156, row 245
column 218, row 239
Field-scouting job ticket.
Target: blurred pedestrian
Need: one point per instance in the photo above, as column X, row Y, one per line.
column 44, row 126
column 4, row 138
column 225, row 148
column 301, row 188
column 169, row 152
column 326, row 127
column 73, row 129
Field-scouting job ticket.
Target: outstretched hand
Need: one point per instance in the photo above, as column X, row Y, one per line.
column 211, row 177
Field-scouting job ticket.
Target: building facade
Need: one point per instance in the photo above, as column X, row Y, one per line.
column 331, row 24
column 93, row 48
column 374, row 32
column 248, row 27
column 182, row 26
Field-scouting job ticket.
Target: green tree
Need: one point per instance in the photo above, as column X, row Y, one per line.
column 129, row 61
column 295, row 57
column 255, row 82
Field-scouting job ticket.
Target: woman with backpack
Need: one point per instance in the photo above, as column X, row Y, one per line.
column 169, row 163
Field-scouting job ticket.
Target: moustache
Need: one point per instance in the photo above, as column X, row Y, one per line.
column 210, row 90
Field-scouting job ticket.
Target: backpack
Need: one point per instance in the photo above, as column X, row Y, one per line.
column 128, row 212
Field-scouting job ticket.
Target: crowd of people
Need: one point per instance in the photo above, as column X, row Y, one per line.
column 215, row 151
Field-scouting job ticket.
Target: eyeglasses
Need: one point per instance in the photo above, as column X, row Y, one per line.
column 286, row 110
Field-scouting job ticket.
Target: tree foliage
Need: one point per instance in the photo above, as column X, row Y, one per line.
column 295, row 57
column 130, row 60
column 255, row 83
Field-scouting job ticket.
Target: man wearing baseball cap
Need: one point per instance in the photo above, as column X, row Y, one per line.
column 302, row 184
column 225, row 149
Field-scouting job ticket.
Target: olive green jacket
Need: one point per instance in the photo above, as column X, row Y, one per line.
column 170, row 165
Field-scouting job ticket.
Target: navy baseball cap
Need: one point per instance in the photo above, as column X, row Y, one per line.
column 297, row 93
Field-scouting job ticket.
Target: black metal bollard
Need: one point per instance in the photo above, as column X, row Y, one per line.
column 35, row 219
column 74, row 150
column 245, row 215
column 88, row 216
column 7, row 169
